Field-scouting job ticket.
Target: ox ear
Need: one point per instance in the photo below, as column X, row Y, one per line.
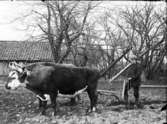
column 143, row 76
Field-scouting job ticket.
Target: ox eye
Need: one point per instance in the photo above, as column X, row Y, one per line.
column 13, row 75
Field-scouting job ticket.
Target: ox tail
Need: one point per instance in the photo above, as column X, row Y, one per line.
column 103, row 73
column 46, row 97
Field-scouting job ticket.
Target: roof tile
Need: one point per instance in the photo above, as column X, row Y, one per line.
column 25, row 50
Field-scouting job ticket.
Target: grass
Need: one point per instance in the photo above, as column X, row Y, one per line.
column 21, row 107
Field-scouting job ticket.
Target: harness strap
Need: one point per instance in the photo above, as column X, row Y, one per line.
column 73, row 95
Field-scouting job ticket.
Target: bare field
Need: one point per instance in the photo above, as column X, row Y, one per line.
column 21, row 107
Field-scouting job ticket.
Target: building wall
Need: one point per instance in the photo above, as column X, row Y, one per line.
column 4, row 68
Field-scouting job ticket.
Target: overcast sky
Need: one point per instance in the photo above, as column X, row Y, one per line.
column 11, row 10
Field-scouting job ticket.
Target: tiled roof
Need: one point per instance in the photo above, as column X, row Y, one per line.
column 25, row 51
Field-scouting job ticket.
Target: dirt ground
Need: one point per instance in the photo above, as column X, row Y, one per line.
column 21, row 107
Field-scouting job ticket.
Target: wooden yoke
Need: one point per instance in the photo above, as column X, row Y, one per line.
column 113, row 63
column 119, row 73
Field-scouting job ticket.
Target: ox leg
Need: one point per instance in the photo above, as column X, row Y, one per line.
column 126, row 94
column 53, row 102
column 93, row 99
column 78, row 97
column 127, row 88
column 42, row 104
column 40, row 101
column 73, row 101
column 136, row 95
column 43, row 108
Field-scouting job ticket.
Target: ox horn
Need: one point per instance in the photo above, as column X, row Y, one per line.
column 15, row 66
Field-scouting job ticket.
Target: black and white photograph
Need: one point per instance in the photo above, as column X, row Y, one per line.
column 83, row 62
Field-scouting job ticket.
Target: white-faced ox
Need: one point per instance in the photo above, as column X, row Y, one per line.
column 50, row 78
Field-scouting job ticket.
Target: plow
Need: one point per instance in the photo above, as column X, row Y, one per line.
column 113, row 93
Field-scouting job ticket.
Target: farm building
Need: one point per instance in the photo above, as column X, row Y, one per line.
column 30, row 52
column 25, row 52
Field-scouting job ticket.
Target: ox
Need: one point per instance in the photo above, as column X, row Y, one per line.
column 136, row 76
column 49, row 78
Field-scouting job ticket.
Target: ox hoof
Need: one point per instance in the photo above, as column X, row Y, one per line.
column 43, row 113
column 129, row 106
column 53, row 114
column 94, row 109
column 89, row 110
column 139, row 106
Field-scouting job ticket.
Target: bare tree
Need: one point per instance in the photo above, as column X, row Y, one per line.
column 62, row 25
column 142, row 29
column 113, row 42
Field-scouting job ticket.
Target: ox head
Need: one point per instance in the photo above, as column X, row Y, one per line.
column 16, row 66
column 16, row 77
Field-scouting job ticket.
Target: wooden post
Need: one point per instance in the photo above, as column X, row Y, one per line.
column 123, row 88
